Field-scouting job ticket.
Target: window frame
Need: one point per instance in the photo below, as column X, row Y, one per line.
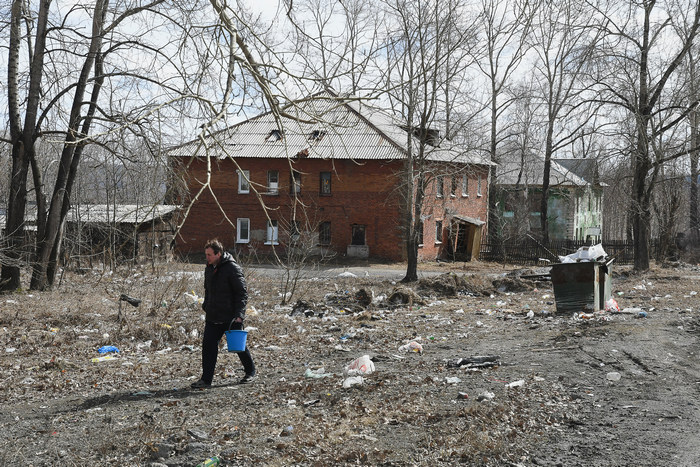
column 272, row 236
column 478, row 186
column 243, row 182
column 324, row 227
column 239, row 229
column 440, row 186
column 465, row 186
column 321, row 190
column 270, row 189
column 438, row 231
column 295, row 182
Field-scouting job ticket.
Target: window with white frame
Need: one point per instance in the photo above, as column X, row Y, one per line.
column 465, row 185
column 244, row 181
column 438, row 231
column 478, row 186
column 243, row 230
column 453, row 186
column 420, row 233
column 272, row 237
column 273, row 182
column 440, row 189
column 295, row 185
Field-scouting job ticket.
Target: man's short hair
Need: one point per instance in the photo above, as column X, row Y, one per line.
column 215, row 245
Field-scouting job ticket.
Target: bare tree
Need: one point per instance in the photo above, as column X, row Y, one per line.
column 638, row 81
column 135, row 67
column 424, row 42
column 505, row 25
column 564, row 44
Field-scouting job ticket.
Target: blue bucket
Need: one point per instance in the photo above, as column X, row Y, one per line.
column 236, row 340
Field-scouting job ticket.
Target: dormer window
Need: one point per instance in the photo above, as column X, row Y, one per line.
column 275, row 135
column 317, row 135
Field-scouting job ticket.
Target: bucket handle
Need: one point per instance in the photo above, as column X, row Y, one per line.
column 231, row 324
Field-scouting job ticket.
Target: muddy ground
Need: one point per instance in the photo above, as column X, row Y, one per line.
column 604, row 389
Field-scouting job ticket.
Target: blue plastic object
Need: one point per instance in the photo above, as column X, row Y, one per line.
column 107, row 349
column 236, row 340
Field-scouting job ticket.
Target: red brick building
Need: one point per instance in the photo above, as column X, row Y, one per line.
column 329, row 183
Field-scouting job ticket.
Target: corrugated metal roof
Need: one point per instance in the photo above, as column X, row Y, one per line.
column 325, row 128
column 120, row 213
column 530, row 172
column 105, row 213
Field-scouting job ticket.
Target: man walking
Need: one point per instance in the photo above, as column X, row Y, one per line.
column 225, row 298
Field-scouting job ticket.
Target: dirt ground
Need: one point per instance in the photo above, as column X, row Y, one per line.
column 502, row 379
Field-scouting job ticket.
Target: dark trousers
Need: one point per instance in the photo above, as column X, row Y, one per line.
column 213, row 332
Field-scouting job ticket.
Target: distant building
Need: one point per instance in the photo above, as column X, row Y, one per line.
column 575, row 200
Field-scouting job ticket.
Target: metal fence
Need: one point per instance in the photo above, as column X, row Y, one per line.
column 529, row 252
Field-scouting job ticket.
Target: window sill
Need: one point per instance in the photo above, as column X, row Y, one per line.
column 244, row 192
column 465, row 196
column 478, row 196
column 438, row 243
column 272, row 193
column 242, row 241
column 453, row 196
column 272, row 243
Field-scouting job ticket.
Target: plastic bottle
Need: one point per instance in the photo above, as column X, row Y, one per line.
column 211, row 462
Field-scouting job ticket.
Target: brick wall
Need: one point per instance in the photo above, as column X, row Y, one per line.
column 362, row 193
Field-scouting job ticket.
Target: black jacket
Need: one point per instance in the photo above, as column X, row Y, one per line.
column 225, row 294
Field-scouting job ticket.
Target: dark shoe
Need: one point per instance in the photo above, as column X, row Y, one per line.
column 248, row 378
column 200, row 384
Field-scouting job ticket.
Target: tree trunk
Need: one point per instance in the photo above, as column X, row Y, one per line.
column 22, row 136
column 49, row 237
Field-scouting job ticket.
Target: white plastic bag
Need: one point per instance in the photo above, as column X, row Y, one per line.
column 360, row 366
column 612, row 306
column 412, row 346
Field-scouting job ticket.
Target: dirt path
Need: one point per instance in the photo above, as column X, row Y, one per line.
column 553, row 399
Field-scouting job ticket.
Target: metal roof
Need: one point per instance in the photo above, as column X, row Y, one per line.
column 105, row 213
column 531, row 170
column 320, row 127
column 120, row 213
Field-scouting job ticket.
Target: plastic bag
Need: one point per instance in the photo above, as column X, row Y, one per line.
column 411, row 347
column 612, row 306
column 360, row 366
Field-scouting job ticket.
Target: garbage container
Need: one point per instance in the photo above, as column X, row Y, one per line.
column 581, row 286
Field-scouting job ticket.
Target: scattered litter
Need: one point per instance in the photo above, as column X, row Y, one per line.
column 194, row 298
column 613, row 376
column 347, row 274
column 612, row 306
column 318, row 373
column 360, row 366
column 452, row 380
column 104, row 359
column 412, row 346
column 462, row 395
column 476, row 362
column 485, row 396
column 585, row 253
column 130, row 300
column 516, row 384
column 107, row 349
column 353, row 381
